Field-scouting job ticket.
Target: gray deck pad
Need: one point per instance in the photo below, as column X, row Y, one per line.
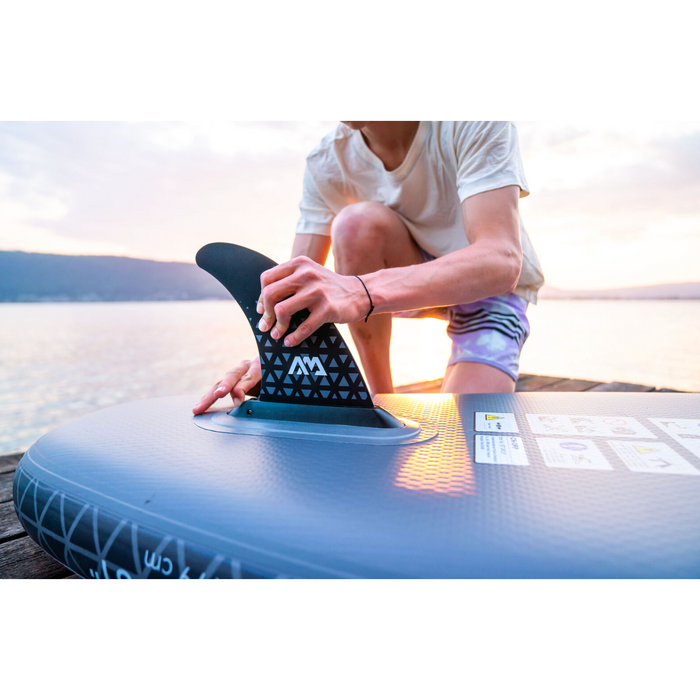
column 512, row 485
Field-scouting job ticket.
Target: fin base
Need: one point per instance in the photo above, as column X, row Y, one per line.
column 255, row 409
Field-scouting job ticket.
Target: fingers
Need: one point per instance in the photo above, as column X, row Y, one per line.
column 210, row 398
column 287, row 308
column 270, row 293
column 313, row 323
column 245, row 383
column 277, row 284
column 279, row 272
column 236, row 382
column 266, row 307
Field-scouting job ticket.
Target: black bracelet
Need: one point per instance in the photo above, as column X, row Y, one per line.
column 371, row 305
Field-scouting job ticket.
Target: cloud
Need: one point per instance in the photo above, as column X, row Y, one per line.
column 681, row 154
column 160, row 190
column 614, row 184
column 163, row 189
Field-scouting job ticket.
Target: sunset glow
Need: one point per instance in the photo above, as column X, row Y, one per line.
column 611, row 205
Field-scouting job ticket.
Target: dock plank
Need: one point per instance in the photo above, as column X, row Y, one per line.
column 535, row 382
column 621, row 386
column 8, row 463
column 527, row 382
column 567, row 385
column 432, row 386
column 9, row 524
column 6, row 486
column 23, row 558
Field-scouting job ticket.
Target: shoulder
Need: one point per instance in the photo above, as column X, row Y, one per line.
column 333, row 163
column 483, row 156
column 464, row 136
column 331, row 148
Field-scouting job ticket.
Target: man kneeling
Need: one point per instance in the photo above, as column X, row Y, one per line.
column 423, row 220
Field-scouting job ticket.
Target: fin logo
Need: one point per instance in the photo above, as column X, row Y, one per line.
column 300, row 364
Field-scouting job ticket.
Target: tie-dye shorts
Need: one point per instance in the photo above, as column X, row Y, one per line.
column 491, row 331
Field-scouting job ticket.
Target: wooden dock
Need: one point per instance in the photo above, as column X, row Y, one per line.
column 20, row 557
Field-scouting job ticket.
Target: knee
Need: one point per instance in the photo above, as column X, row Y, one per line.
column 359, row 225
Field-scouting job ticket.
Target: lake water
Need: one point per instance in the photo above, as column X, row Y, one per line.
column 60, row 361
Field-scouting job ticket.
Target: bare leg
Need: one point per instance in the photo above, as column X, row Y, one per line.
column 476, row 378
column 367, row 237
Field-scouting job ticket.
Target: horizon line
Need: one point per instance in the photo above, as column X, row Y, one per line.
column 185, row 262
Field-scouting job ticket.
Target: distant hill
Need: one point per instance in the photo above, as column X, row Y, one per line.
column 27, row 277
column 681, row 290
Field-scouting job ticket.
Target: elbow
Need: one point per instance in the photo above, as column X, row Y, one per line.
column 512, row 265
column 516, row 268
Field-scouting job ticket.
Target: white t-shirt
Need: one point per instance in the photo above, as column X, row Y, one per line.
column 446, row 163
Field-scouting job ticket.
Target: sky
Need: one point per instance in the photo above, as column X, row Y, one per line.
column 611, row 204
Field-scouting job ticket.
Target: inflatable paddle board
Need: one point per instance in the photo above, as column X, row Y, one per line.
column 317, row 478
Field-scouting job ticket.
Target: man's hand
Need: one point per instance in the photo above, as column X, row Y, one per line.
column 236, row 382
column 303, row 284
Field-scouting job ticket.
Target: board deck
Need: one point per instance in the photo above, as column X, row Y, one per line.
column 255, row 506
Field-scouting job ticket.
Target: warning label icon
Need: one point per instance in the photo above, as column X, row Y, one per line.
column 495, row 422
column 642, row 449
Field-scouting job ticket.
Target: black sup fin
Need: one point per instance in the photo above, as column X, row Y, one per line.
column 320, row 371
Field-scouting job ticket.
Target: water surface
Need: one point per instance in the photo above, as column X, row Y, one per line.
column 60, row 361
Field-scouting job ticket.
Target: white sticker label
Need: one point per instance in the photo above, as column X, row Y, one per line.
column 495, row 422
column 685, row 428
column 500, row 449
column 572, row 454
column 587, row 426
column 654, row 457
column 686, row 431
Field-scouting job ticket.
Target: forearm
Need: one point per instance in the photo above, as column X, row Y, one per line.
column 489, row 266
column 313, row 246
column 484, row 269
